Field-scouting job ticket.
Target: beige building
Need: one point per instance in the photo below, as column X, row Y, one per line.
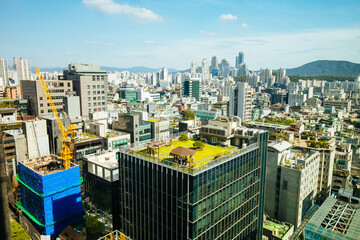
column 89, row 83
column 38, row 103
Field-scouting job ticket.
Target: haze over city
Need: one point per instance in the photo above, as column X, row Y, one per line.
column 171, row 33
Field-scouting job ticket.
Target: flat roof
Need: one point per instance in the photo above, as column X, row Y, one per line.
column 45, row 165
column 270, row 125
column 279, row 229
column 280, row 145
column 104, row 159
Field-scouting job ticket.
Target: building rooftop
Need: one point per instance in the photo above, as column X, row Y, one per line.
column 269, row 125
column 207, row 156
column 45, row 165
column 105, row 159
column 113, row 133
column 280, row 145
column 279, row 230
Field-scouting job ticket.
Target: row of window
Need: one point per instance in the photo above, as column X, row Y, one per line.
column 96, row 86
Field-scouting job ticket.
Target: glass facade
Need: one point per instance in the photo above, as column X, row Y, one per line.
column 224, row 201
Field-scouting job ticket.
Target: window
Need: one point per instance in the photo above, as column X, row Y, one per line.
column 41, row 105
column 98, row 98
column 42, row 111
column 41, row 98
column 94, row 86
column 94, row 103
column 102, row 86
column 102, row 92
column 89, row 104
column 94, row 92
column 94, row 98
column 98, row 86
column 89, row 98
column 88, row 92
column 98, row 92
column 88, row 86
column 68, row 85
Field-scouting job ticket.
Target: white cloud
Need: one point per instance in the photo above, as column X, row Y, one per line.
column 111, row 7
column 93, row 42
column 149, row 42
column 227, row 17
column 244, row 25
column 205, row 33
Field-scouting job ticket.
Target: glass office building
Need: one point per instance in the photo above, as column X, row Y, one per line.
column 217, row 197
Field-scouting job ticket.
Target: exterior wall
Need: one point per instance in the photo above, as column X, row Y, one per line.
column 12, row 92
column 114, row 143
column 72, row 106
column 37, row 138
column 241, row 102
column 222, row 202
column 34, row 93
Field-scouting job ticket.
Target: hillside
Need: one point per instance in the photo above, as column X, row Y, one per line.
column 326, row 67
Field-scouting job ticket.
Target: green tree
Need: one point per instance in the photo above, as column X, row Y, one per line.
column 198, row 144
column 188, row 114
column 183, row 137
column 93, row 225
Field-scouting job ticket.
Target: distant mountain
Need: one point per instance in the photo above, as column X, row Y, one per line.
column 326, row 67
column 139, row 69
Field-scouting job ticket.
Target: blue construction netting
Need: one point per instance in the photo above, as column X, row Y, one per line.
column 53, row 200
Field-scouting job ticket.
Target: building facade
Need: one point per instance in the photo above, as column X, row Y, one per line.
column 38, row 103
column 241, row 102
column 220, row 199
column 90, row 84
column 192, row 88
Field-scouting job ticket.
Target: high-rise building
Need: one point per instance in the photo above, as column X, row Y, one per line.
column 164, row 74
column 38, row 103
column 241, row 102
column 281, row 75
column 224, row 68
column 191, row 87
column 239, row 60
column 194, row 68
column 4, row 77
column 22, row 68
column 90, row 84
column 214, row 66
column 291, row 181
column 205, row 69
column 192, row 197
column 357, row 84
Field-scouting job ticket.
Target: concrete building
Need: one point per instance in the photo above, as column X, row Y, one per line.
column 344, row 104
column 296, row 99
column 114, row 140
column 37, row 138
column 217, row 198
column 241, row 102
column 133, row 124
column 90, row 84
column 277, row 230
column 291, row 182
column 72, row 106
column 159, row 128
column 37, row 100
column 4, row 76
column 22, row 67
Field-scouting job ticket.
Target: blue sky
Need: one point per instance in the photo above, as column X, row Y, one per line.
column 156, row 33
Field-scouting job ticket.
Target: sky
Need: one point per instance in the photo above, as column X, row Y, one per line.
column 157, row 33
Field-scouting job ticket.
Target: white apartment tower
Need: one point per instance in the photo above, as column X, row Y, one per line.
column 241, row 102
column 205, row 69
column 193, row 68
column 22, row 68
column 4, row 77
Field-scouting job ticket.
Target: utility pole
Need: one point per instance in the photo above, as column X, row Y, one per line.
column 5, row 230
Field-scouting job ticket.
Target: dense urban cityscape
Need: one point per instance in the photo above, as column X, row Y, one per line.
column 245, row 124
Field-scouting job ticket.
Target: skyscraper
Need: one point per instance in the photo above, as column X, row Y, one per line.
column 241, row 102
column 224, row 68
column 4, row 77
column 205, row 69
column 281, row 74
column 192, row 88
column 214, row 66
column 239, row 60
column 193, row 68
column 215, row 198
column 22, row 68
column 164, row 74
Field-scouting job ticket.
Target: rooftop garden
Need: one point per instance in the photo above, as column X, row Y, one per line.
column 204, row 152
column 281, row 121
column 279, row 229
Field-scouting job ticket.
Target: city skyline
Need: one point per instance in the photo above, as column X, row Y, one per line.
column 157, row 33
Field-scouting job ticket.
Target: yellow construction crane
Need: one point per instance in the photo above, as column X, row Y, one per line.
column 66, row 154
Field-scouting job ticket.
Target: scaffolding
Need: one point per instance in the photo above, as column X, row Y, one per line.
column 339, row 217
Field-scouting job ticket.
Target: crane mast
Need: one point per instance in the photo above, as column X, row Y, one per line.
column 66, row 154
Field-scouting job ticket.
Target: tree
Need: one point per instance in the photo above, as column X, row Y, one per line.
column 184, row 137
column 93, row 225
column 188, row 114
column 198, row 144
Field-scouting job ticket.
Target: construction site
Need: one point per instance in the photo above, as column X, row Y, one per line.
column 50, row 194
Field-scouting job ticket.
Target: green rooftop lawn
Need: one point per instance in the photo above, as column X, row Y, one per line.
column 282, row 229
column 202, row 156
